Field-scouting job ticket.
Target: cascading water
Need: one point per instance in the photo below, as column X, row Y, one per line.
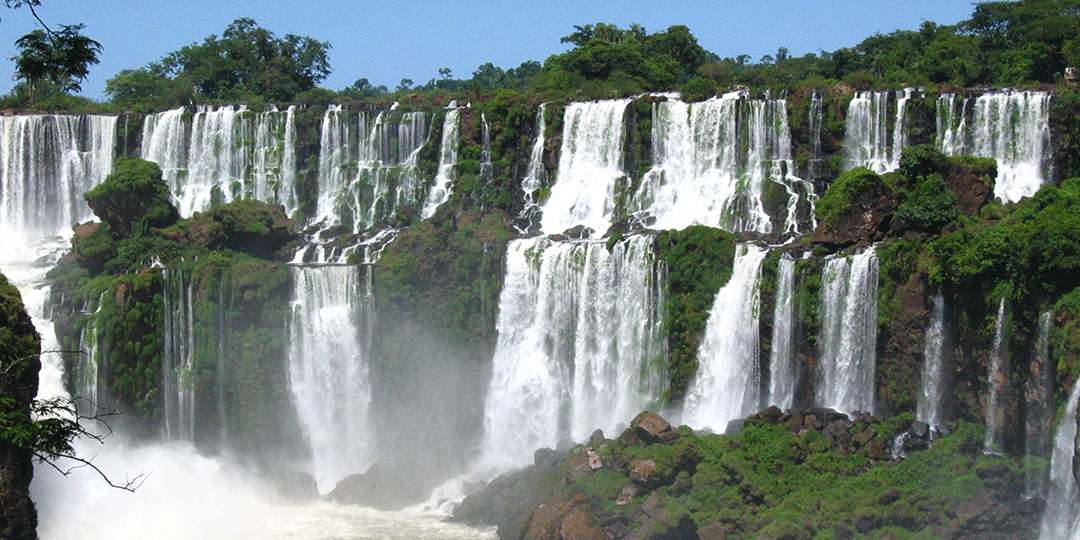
column 1038, row 392
column 223, row 154
column 328, row 371
column 368, row 166
column 713, row 161
column 487, row 168
column 448, row 158
column 936, row 369
column 1060, row 519
column 1012, row 127
column 579, row 338
column 818, row 165
column 782, row 375
column 178, row 356
column 536, row 174
column 867, row 142
column 849, row 297
column 726, row 385
column 47, row 163
column 995, row 382
column 590, row 164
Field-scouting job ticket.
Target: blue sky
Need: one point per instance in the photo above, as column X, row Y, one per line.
column 385, row 41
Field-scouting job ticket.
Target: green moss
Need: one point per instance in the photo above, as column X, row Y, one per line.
column 855, row 186
column 699, row 261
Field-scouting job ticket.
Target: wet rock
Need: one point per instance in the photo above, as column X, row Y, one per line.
column 577, row 526
column 876, row 451
column 581, row 465
column 641, row 471
column 651, row 428
column 546, row 457
column 712, row 531
column 547, row 519
column 770, row 416
column 596, row 439
column 627, row 494
column 864, row 437
column 384, row 486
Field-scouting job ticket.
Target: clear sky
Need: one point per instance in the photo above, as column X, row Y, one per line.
column 386, row 41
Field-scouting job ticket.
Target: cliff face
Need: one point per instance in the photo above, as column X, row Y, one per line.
column 19, row 365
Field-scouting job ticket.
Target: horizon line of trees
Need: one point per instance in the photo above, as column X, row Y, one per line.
column 1004, row 43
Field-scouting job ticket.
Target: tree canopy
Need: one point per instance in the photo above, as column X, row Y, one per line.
column 246, row 63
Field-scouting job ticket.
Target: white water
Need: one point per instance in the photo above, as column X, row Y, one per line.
column 178, row 357
column 995, row 380
column 849, row 297
column 936, row 368
column 578, row 348
column 590, row 163
column 1012, row 127
column 726, row 385
column 47, row 163
column 712, row 161
column 448, row 158
column 782, row 355
column 367, row 166
column 1039, row 417
column 818, row 166
column 536, row 174
column 328, row 371
column 188, row 495
column 867, row 140
column 1059, row 521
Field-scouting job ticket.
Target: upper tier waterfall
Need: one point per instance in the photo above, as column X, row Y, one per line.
column 849, row 297
column 868, row 141
column 590, row 164
column 368, row 166
column 1012, row 127
column 218, row 155
column 727, row 383
column 579, row 335
column 715, row 160
column 47, row 163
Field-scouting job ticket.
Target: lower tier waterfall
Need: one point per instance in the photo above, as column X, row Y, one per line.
column 579, row 344
column 328, row 370
column 849, row 298
column 937, row 367
column 726, row 386
column 996, row 381
column 782, row 372
column 1059, row 521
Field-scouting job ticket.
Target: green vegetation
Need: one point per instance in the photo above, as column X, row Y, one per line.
column 857, row 186
column 133, row 198
column 699, row 261
column 247, row 64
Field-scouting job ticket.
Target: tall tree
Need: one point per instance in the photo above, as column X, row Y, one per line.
column 62, row 57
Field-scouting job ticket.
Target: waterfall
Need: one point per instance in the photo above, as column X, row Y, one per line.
column 448, row 158
column 47, row 163
column 88, row 367
column 867, row 139
column 818, row 166
column 849, row 297
column 328, row 371
column 996, row 379
column 936, row 371
column 1059, row 521
column 536, row 174
column 223, row 154
column 726, row 385
column 1039, row 396
column 178, row 356
column 782, row 355
column 590, row 164
column 712, row 162
column 1012, row 127
column 487, row 168
column 578, row 347
column 367, row 166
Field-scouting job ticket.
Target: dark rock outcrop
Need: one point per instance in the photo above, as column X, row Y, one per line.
column 19, row 366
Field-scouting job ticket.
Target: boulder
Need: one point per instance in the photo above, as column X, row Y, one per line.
column 641, row 471
column 651, row 428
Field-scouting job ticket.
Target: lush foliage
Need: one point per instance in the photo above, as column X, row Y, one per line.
column 858, row 186
column 62, row 58
column 133, row 198
column 699, row 261
column 926, row 203
column 247, row 63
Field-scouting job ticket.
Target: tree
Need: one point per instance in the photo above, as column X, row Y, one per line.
column 247, row 62
column 63, row 58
